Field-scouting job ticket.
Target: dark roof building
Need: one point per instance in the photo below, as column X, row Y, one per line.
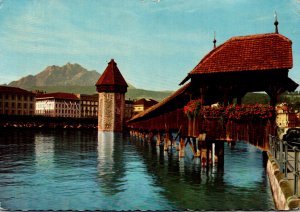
column 14, row 90
column 142, row 105
column 145, row 102
column 16, row 101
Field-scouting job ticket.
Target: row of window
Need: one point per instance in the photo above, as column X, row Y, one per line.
column 14, row 97
column 57, row 111
column 66, row 105
column 18, row 105
column 89, row 103
column 66, row 113
column 89, row 108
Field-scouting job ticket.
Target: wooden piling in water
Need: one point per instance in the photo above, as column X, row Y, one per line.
column 158, row 139
column 181, row 147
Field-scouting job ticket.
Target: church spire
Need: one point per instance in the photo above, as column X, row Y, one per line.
column 214, row 41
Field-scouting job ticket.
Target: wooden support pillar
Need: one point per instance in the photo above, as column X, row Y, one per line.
column 208, row 148
column 220, row 154
column 158, row 139
column 169, row 140
column 239, row 100
column 230, row 100
column 181, row 147
column 166, row 140
column 239, row 97
column 225, row 99
column 274, row 92
column 194, row 145
column 143, row 136
column 202, row 95
column 213, row 145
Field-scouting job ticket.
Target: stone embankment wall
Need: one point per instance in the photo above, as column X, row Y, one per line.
column 282, row 191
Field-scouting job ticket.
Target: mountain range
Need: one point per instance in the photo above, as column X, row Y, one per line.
column 73, row 78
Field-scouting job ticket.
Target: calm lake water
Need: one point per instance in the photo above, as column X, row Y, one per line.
column 63, row 170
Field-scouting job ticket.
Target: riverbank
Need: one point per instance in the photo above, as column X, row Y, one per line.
column 281, row 188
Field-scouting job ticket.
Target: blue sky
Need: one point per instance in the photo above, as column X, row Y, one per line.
column 155, row 43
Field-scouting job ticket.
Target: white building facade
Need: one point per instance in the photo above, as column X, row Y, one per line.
column 58, row 105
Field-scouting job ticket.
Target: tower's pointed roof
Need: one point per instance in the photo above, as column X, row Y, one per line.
column 111, row 80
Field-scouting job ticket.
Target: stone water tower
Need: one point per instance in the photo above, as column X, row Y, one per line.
column 111, row 87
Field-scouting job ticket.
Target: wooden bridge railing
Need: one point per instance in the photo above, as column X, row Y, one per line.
column 215, row 128
column 170, row 120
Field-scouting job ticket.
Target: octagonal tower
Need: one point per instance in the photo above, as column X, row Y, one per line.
column 111, row 87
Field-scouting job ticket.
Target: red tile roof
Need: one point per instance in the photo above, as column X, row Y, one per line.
column 14, row 90
column 146, row 102
column 58, row 95
column 247, row 53
column 111, row 76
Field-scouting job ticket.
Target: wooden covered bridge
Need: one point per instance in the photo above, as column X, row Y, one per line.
column 242, row 64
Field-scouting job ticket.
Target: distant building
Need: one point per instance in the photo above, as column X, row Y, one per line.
column 128, row 109
column 16, row 101
column 287, row 117
column 58, row 105
column 142, row 105
column 89, row 105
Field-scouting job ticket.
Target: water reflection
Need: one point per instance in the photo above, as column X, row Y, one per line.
column 110, row 166
column 16, row 150
column 189, row 186
column 44, row 151
column 61, row 170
